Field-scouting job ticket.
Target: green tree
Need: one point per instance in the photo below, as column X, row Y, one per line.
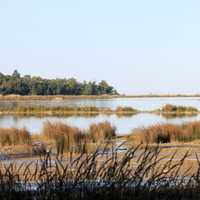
column 27, row 85
column 16, row 74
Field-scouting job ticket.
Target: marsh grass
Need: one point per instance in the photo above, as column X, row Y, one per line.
column 101, row 132
column 13, row 136
column 121, row 111
column 178, row 109
column 59, row 136
column 72, row 139
column 136, row 174
column 167, row 111
column 41, row 110
column 66, row 111
column 166, row 133
column 66, row 137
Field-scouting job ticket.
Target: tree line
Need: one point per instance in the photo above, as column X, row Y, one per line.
column 32, row 85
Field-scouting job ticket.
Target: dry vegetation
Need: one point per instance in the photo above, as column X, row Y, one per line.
column 61, row 136
column 167, row 111
column 101, row 132
column 72, row 139
column 61, row 111
column 69, row 138
column 166, row 133
column 126, row 111
column 178, row 109
column 136, row 174
column 13, row 136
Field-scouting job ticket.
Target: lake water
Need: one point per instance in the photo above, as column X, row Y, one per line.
column 123, row 124
column 142, row 104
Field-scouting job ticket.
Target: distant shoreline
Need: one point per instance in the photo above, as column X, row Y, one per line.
column 63, row 97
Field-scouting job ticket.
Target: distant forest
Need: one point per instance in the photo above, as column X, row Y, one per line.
column 27, row 85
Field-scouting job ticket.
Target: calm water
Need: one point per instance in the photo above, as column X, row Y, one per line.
column 138, row 103
column 123, row 124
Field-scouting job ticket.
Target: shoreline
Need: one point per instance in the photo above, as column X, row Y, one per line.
column 100, row 111
column 64, row 97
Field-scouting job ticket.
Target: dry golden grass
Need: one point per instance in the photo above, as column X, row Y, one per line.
column 167, row 133
column 101, row 131
column 13, row 136
column 179, row 109
column 75, row 139
column 70, row 137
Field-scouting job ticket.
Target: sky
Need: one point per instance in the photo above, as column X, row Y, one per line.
column 139, row 47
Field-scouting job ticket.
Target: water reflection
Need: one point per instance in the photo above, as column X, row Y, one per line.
column 123, row 124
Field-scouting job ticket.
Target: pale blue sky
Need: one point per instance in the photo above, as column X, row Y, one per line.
column 139, row 46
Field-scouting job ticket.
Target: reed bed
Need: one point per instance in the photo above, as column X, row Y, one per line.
column 166, row 133
column 167, row 111
column 178, row 109
column 126, row 111
column 38, row 110
column 101, row 132
column 136, row 174
column 72, row 139
column 59, row 136
column 60, row 111
column 13, row 137
column 66, row 138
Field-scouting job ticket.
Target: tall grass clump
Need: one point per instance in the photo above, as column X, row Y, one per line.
column 126, row 110
column 166, row 133
column 66, row 137
column 13, row 136
column 157, row 134
column 178, row 109
column 190, row 132
column 101, row 131
column 72, row 139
